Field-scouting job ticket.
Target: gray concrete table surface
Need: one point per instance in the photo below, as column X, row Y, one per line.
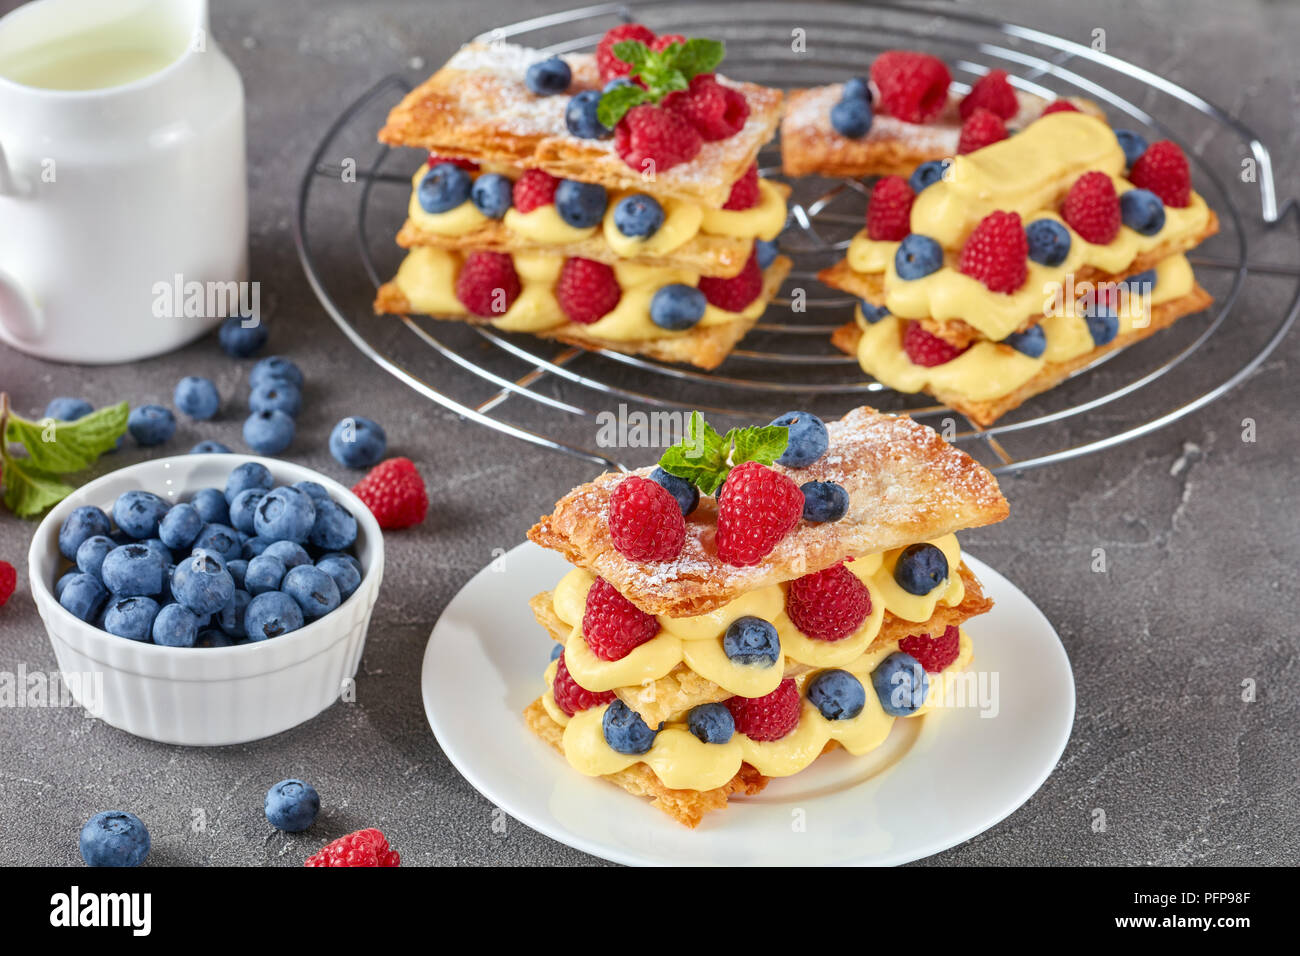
column 1200, row 527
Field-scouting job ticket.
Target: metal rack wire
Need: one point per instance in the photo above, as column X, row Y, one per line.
column 504, row 381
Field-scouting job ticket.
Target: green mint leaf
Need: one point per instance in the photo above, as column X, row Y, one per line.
column 700, row 458
column 763, row 444
column 633, row 52
column 697, row 55
column 28, row 490
column 60, row 447
column 617, row 102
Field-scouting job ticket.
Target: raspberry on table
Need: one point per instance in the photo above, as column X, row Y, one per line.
column 652, row 139
column 1091, row 208
column 717, row 112
column 488, row 284
column 570, row 696
column 612, row 625
column 992, row 92
column 997, row 252
column 394, row 492
column 534, row 189
column 367, row 847
column 610, row 65
column 757, row 507
column 736, row 293
column 982, row 128
column 770, row 717
column 645, row 521
column 587, row 290
column 934, row 653
column 744, row 191
column 828, row 605
column 889, row 210
column 913, row 86
column 1163, row 169
column 925, row 349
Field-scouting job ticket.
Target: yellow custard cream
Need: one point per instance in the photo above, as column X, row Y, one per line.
column 989, row 370
column 697, row 641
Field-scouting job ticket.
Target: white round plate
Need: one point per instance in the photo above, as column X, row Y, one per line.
column 938, row 780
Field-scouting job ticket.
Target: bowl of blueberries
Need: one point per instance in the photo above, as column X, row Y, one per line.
column 207, row 599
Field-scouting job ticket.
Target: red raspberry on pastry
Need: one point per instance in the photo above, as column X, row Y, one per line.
column 734, row 294
column 587, row 290
column 1060, row 106
column 770, row 717
column 1091, row 208
column 533, row 190
column 982, row 128
column 913, row 86
column 716, row 111
column 662, row 43
column 364, row 848
column 997, row 252
column 610, row 65
column 889, row 210
column 744, row 191
column 488, row 284
column 466, row 164
column 828, row 605
column 925, row 349
column 570, row 696
column 992, row 92
column 934, row 653
column 757, row 507
column 1163, row 169
column 652, row 139
column 395, row 494
column 612, row 625
column 645, row 521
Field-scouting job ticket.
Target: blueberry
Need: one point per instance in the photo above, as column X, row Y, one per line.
column 268, row 433
column 63, row 582
column 197, row 397
column 334, row 528
column 625, row 731
column 581, row 116
column 84, row 522
column 917, row 257
column 216, row 637
column 114, row 838
column 927, row 174
column 711, row 723
column 1133, row 144
column 351, row 559
column 313, row 589
column 241, row 336
column 209, row 447
column 133, row 569
column 837, row 694
column 292, row 805
column 238, row 568
column 581, row 205
column 202, row 584
column 221, row 540
column 677, row 307
column 157, row 546
column 443, row 188
column 66, row 409
column 271, row 614
column 180, row 526
column 492, row 194
column 131, row 617
column 548, row 77
column 91, row 554
column 138, row 513
column 275, row 368
column 211, row 505
column 921, row 568
column 346, row 575
column 264, row 573
column 1142, row 211
column 285, row 514
column 83, row 596
column 1049, row 241
column 1031, row 342
column 1103, row 324
column 231, row 617
column 752, row 640
column 851, row 117
column 856, row 88
column 313, row 490
column 291, row 555
column 824, row 501
column 638, row 215
column 151, row 424
column 1140, row 283
column 901, row 684
column 175, row 626
column 872, row 313
column 765, row 251
column 255, row 546
column 250, row 474
column 242, row 510
column 358, row 442
column 276, row 397
column 687, row 495
column 556, row 651
column 808, row 439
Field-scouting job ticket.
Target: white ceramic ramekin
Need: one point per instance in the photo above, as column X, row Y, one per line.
column 205, row 696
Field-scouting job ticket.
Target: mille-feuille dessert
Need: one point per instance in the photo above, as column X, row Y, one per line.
column 992, row 276
column 609, row 200
column 760, row 598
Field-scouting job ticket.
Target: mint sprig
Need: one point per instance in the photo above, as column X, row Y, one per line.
column 662, row 72
column 704, row 458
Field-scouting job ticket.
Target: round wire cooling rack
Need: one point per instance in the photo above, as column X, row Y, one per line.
column 564, row 398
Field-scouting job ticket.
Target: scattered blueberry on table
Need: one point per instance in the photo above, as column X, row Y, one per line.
column 114, row 838
column 291, row 805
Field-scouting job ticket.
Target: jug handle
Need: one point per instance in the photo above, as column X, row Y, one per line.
column 18, row 312
column 10, row 183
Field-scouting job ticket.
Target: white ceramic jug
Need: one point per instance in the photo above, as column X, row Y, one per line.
column 121, row 169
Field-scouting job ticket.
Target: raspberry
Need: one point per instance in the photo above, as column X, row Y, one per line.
column 913, row 86
column 716, row 111
column 587, row 290
column 934, row 653
column 8, row 581
column 744, row 191
column 829, row 605
column 996, row 252
column 570, row 696
column 1060, row 106
column 770, row 717
column 534, row 189
column 757, row 507
column 991, row 92
column 651, row 139
column 925, row 349
column 612, row 625
column 363, row 848
column 466, row 164
column 889, row 211
column 982, row 128
column 394, row 492
column 1163, row 169
column 488, row 284
column 610, row 65
column 734, row 294
column 661, row 43
column 1092, row 208
column 645, row 521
